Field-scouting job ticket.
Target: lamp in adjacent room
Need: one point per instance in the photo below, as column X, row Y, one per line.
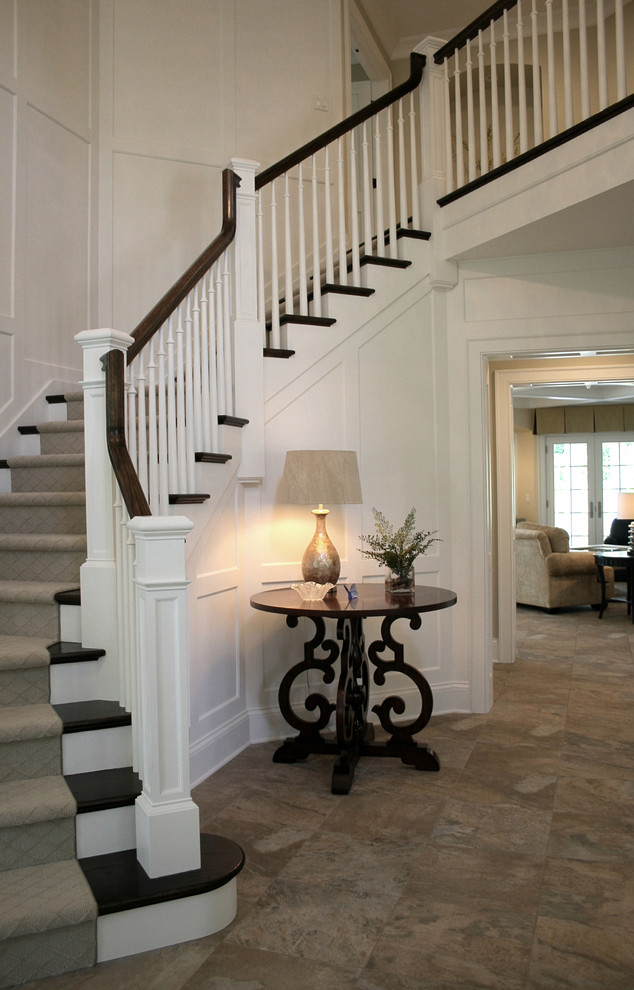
column 625, row 510
column 323, row 477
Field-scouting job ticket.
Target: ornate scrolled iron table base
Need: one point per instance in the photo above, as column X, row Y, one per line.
column 354, row 736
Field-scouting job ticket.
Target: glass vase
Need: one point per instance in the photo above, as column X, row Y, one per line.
column 400, row 584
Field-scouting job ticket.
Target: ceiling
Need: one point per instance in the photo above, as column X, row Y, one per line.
column 397, row 22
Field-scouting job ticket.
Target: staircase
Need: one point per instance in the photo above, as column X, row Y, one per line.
column 71, row 890
column 48, row 913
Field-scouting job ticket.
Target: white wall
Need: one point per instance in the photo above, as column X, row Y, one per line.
column 185, row 86
column 48, row 163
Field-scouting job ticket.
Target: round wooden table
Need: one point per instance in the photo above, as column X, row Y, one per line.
column 354, row 734
column 617, row 558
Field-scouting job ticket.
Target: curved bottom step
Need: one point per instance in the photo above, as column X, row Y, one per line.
column 137, row 913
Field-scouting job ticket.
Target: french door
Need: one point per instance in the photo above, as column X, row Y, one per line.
column 584, row 475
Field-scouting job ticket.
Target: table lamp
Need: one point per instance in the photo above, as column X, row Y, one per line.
column 320, row 476
column 625, row 510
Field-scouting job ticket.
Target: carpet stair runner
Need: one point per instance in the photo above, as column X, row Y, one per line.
column 48, row 913
column 52, row 905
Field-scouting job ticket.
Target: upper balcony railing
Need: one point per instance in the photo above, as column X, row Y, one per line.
column 528, row 74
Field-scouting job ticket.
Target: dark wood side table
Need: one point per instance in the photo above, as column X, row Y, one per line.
column 354, row 735
column 619, row 558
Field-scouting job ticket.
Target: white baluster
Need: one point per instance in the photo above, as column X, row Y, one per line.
column 354, row 214
column 196, row 371
column 458, row 111
column 330, row 264
column 220, row 338
column 413, row 161
column 181, row 432
column 204, row 364
column 190, row 447
column 482, row 104
column 215, row 316
column 152, row 426
column 391, row 186
column 553, row 125
column 568, row 109
column 471, row 151
column 275, row 296
column 142, row 426
column 538, row 130
column 124, row 657
column 303, row 290
column 163, row 487
column 448, row 148
column 341, row 213
column 227, row 368
column 172, row 446
column 288, row 250
column 508, row 92
column 402, row 174
column 521, row 79
column 260, row 235
column 583, row 62
column 316, row 252
column 131, row 419
column 367, row 212
column 621, row 79
column 379, row 190
column 602, row 67
column 496, row 150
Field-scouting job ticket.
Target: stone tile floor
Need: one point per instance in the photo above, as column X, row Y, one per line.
column 513, row 867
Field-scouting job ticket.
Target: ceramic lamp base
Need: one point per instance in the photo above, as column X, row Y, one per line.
column 321, row 562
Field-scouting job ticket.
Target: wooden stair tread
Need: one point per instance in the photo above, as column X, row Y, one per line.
column 371, row 259
column 67, row 652
column 99, row 790
column 206, row 457
column 232, row 421
column 307, row 321
column 119, row 882
column 346, row 290
column 189, row 498
column 278, row 352
column 81, row 716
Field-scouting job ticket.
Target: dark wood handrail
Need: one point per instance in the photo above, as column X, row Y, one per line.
column 125, row 473
column 417, row 64
column 492, row 13
column 174, row 296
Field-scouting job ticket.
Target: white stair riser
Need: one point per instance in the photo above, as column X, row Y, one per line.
column 73, row 681
column 128, row 932
column 70, row 623
column 111, row 830
column 96, row 749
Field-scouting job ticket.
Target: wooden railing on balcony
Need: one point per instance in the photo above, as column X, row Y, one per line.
column 563, row 67
column 362, row 178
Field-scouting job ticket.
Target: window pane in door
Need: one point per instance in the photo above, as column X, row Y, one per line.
column 617, row 459
column 570, row 494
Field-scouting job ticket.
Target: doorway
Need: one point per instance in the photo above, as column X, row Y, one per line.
column 503, row 376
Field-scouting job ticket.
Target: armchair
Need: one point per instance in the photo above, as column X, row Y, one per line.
column 549, row 575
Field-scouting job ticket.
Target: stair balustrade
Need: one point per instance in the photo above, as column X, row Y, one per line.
column 340, row 198
column 307, row 226
column 526, row 75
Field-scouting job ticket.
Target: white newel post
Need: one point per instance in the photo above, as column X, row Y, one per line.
column 248, row 331
column 167, row 820
column 98, row 579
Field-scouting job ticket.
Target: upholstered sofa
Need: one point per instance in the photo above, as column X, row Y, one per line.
column 549, row 575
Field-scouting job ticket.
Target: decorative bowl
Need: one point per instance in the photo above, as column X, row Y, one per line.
column 310, row 591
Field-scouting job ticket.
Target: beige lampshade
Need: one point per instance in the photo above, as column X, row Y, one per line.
column 325, row 477
column 625, row 508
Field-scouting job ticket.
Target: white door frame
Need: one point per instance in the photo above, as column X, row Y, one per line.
column 505, row 473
